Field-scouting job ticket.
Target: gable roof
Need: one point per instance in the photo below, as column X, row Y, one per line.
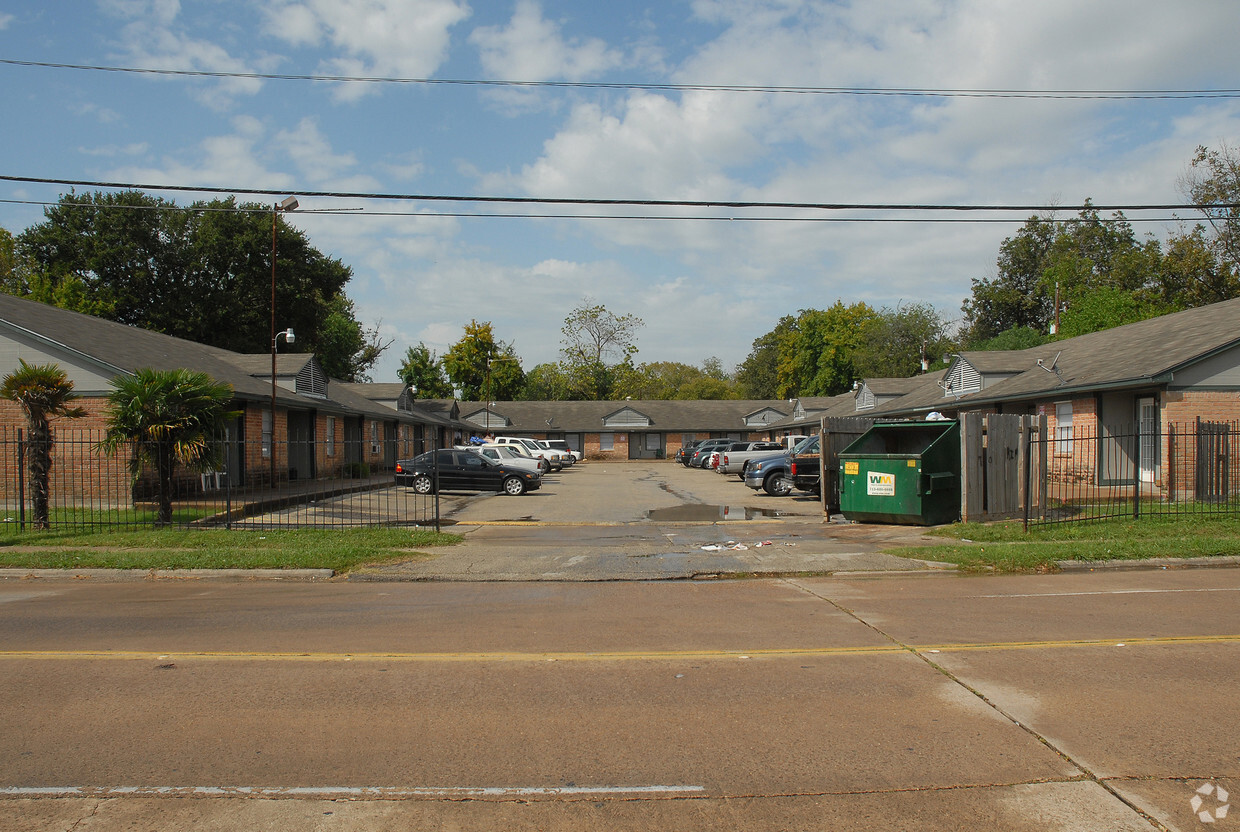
column 124, row 349
column 1135, row 355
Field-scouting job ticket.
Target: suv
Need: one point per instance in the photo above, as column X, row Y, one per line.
column 537, row 451
column 701, row 454
column 562, row 446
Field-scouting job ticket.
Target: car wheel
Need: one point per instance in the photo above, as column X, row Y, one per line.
column 514, row 486
column 777, row 485
column 422, row 484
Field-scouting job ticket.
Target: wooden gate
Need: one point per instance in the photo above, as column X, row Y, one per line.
column 837, row 433
column 1001, row 457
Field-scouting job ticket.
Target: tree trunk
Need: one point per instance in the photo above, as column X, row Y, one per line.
column 163, row 472
column 40, row 474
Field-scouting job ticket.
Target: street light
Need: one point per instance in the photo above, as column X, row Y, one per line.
column 285, row 205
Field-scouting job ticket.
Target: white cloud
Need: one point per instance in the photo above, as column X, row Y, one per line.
column 5, row 20
column 531, row 48
column 155, row 40
column 390, row 38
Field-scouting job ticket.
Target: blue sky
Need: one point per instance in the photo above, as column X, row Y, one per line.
column 703, row 288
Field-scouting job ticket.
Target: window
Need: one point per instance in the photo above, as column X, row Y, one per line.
column 266, row 438
column 374, row 438
column 329, row 440
column 606, row 441
column 1063, row 427
column 686, row 438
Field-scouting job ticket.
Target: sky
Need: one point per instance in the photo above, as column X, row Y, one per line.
column 627, row 119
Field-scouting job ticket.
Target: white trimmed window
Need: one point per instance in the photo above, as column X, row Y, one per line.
column 1063, row 427
column 374, row 438
column 329, row 438
column 266, row 434
column 606, row 441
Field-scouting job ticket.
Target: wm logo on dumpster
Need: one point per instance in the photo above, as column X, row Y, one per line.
column 878, row 484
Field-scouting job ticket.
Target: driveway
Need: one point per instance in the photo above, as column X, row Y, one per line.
column 648, row 521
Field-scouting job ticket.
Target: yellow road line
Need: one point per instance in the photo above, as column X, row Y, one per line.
column 599, row 656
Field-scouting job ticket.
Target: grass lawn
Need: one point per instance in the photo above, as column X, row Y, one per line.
column 1005, row 547
column 338, row 549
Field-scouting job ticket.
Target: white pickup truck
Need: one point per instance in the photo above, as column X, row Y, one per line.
column 732, row 458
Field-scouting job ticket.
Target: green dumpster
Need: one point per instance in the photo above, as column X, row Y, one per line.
column 903, row 472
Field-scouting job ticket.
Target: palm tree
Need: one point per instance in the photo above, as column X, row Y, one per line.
column 169, row 417
column 43, row 391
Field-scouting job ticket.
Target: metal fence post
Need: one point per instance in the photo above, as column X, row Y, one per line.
column 1028, row 452
column 1136, row 473
column 21, row 481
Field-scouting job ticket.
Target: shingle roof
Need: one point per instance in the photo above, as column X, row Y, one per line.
column 123, row 348
column 1134, row 355
column 671, row 416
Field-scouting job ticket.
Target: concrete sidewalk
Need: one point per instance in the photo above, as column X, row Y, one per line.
column 650, row 552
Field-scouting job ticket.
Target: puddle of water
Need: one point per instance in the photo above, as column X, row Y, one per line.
column 697, row 511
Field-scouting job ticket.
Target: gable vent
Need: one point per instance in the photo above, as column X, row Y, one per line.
column 312, row 381
column 964, row 378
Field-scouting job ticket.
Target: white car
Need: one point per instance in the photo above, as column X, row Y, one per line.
column 534, row 448
column 509, row 456
column 562, row 446
column 565, row 454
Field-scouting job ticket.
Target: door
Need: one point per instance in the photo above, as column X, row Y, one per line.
column 1147, row 428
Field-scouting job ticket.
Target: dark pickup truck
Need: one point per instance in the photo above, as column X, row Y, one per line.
column 805, row 467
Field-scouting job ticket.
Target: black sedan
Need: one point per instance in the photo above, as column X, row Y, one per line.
column 463, row 471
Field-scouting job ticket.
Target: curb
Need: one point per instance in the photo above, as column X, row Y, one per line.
column 1149, row 563
column 123, row 575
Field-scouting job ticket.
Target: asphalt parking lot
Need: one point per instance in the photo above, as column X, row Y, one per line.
column 647, row 521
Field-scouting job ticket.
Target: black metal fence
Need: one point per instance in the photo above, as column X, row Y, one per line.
column 1136, row 470
column 336, row 485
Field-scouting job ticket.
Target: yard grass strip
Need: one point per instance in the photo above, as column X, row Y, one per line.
column 1006, row 547
column 339, row 549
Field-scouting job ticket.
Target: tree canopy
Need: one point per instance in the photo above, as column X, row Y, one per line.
column 482, row 367
column 201, row 272
column 423, row 372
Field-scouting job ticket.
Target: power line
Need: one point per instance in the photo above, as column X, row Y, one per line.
column 360, row 212
column 923, row 92
column 647, row 203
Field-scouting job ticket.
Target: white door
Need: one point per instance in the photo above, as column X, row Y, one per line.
column 1147, row 427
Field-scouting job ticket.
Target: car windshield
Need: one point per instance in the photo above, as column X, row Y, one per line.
column 800, row 447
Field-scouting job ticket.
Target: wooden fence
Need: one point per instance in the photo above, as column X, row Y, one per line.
column 1001, row 457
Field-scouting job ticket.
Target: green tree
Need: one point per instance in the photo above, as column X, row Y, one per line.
column 42, row 392
column 1213, row 185
column 167, row 418
column 665, row 380
column 818, row 358
column 344, row 347
column 758, row 374
column 1104, row 308
column 1016, row 338
column 481, row 366
column 1193, row 274
column 598, row 347
column 1077, row 257
column 547, row 382
column 423, row 371
column 893, row 345
column 201, row 272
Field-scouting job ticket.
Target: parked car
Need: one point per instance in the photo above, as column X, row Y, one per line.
column 507, row 455
column 536, row 450
column 685, row 454
column 805, row 467
column 543, row 464
column 701, row 454
column 733, row 457
column 565, row 453
column 562, row 446
column 463, row 471
column 771, row 473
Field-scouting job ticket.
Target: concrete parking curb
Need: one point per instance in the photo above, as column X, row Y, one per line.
column 118, row 575
column 1148, row 563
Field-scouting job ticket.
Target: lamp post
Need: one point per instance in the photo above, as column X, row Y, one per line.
column 285, row 205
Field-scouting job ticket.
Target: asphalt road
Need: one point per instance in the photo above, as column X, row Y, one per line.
column 1083, row 701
